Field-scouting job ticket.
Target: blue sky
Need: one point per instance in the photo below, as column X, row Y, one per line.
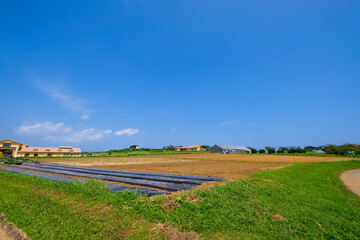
column 108, row 74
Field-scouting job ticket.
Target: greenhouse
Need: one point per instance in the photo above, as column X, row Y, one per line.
column 227, row 149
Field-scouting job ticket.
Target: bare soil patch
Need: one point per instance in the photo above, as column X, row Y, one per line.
column 351, row 180
column 90, row 161
column 231, row 166
column 229, row 170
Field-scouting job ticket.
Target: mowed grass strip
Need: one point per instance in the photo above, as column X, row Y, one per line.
column 301, row 201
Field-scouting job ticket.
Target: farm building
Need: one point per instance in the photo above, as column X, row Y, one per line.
column 228, row 149
column 189, row 148
column 23, row 150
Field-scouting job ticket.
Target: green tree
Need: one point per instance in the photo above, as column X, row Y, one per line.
column 270, row 150
column 133, row 147
column 170, row 148
column 333, row 149
column 8, row 152
column 262, row 151
column 205, row 147
column 36, row 154
column 283, row 149
column 253, row 150
column 296, row 150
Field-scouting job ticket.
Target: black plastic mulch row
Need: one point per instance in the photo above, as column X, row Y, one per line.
column 201, row 178
column 147, row 183
column 115, row 174
column 113, row 187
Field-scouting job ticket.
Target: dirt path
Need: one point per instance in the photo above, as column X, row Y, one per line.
column 351, row 180
column 9, row 232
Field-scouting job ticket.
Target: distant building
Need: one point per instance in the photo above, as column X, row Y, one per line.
column 227, row 149
column 189, row 148
column 23, row 150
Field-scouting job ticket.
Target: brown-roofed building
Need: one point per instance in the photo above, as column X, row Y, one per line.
column 189, row 148
column 23, row 150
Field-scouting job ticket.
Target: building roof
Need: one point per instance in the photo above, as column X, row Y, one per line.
column 61, row 149
column 194, row 146
column 13, row 142
column 233, row 147
column 181, row 147
column 191, row 146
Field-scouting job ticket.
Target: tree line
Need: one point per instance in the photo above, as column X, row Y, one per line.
column 345, row 149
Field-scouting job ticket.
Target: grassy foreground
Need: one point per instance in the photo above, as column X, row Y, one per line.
column 302, row 201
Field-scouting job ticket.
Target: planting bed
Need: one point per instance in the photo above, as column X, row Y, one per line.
column 159, row 182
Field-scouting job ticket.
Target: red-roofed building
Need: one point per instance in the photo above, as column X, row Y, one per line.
column 189, row 148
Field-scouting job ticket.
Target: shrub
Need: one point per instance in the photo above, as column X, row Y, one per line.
column 270, row 150
column 333, row 149
column 36, row 154
column 283, row 149
column 310, row 148
column 169, row 148
column 8, row 152
column 296, row 150
column 205, row 147
column 253, row 150
column 262, row 151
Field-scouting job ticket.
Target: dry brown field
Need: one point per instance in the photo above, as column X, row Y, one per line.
column 232, row 166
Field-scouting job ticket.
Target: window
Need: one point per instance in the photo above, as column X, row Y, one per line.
column 35, row 150
column 48, row 150
column 7, row 145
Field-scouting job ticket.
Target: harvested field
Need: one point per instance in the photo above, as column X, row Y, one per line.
column 229, row 170
column 233, row 166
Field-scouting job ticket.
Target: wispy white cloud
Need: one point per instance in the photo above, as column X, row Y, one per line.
column 128, row 131
column 85, row 117
column 73, row 103
column 173, row 130
column 64, row 96
column 42, row 128
column 90, row 134
column 228, row 123
column 60, row 132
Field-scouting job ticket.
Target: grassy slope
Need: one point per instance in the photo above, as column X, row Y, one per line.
column 51, row 210
column 302, row 201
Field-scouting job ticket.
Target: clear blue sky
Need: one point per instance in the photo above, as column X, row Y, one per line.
column 108, row 74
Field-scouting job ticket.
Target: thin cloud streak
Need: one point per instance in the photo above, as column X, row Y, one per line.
column 229, row 123
column 42, row 128
column 128, row 131
column 90, row 134
column 62, row 133
column 64, row 97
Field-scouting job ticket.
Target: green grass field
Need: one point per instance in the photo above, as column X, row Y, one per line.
column 301, row 201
